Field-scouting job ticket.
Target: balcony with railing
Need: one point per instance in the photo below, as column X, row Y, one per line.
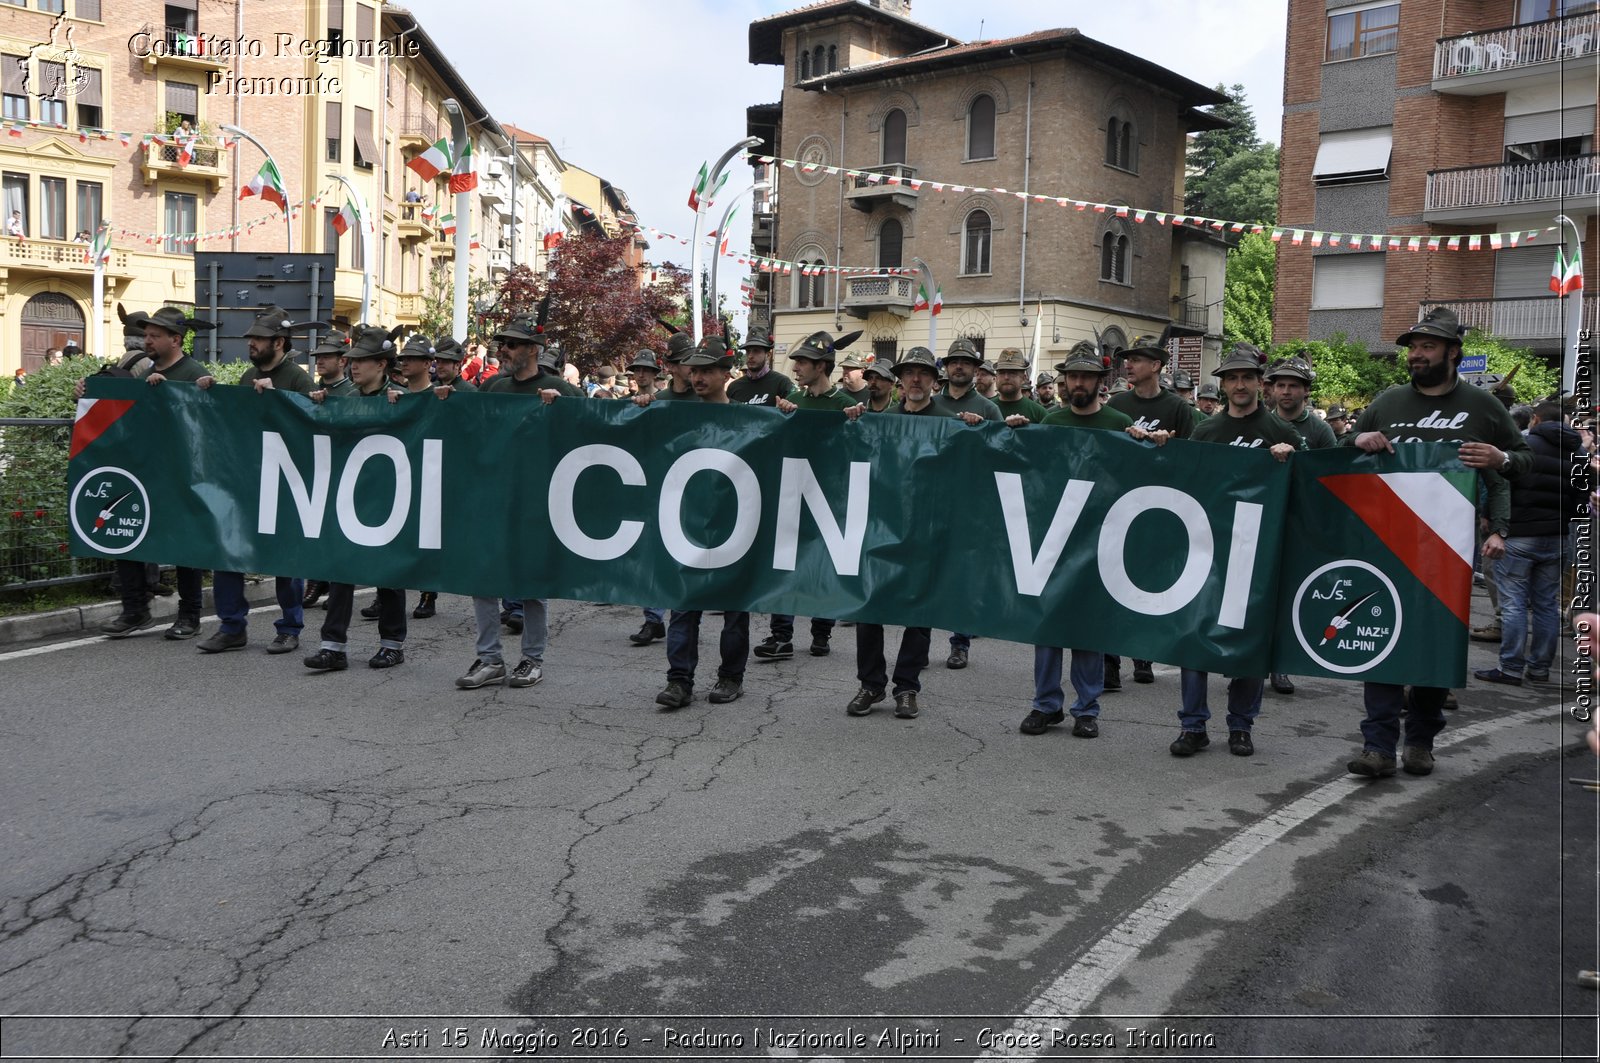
column 878, row 185
column 762, row 228
column 1483, row 192
column 415, row 223
column 1540, row 317
column 57, row 256
column 209, row 164
column 408, row 308
column 1483, row 61
column 874, row 292
column 1192, row 315
column 186, row 49
column 499, row 262
column 417, row 131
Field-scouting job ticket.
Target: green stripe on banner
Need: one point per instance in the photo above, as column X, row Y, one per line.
column 1191, row 554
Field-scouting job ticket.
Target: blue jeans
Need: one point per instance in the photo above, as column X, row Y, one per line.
column 1529, row 578
column 959, row 641
column 1244, row 701
column 535, row 630
column 683, row 646
column 1422, row 707
column 227, row 588
column 783, row 628
column 1088, row 675
column 655, row 616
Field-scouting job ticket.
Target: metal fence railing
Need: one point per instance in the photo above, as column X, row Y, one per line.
column 33, row 507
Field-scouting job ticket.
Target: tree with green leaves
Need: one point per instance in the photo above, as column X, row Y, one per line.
column 1233, row 173
column 1247, row 292
column 1349, row 374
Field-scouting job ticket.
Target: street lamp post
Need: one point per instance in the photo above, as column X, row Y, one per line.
column 288, row 213
column 722, row 226
column 1573, row 336
column 699, row 220
column 458, row 144
column 365, row 236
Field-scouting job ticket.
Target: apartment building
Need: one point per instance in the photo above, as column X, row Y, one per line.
column 1436, row 118
column 1052, row 113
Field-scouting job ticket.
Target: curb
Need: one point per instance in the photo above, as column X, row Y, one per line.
column 80, row 619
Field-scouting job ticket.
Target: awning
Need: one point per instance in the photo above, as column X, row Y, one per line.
column 1353, row 155
column 366, row 151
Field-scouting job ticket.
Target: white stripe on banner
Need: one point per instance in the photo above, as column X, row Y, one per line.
column 83, row 408
column 1437, row 502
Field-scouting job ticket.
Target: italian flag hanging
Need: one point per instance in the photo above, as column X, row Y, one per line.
column 922, row 302
column 100, row 250
column 699, row 187
column 462, row 176
column 346, row 218
column 268, row 185
column 447, row 225
column 433, row 162
column 1566, row 276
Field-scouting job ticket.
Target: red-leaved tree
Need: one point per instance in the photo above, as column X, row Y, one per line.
column 601, row 310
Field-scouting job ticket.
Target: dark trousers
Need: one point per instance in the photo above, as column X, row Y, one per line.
column 683, row 646
column 1421, row 709
column 135, row 586
column 908, row 664
column 341, row 603
column 783, row 628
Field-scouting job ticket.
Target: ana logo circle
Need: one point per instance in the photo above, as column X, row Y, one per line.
column 1347, row 616
column 110, row 510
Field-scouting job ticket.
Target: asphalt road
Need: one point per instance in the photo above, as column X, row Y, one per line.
column 229, row 856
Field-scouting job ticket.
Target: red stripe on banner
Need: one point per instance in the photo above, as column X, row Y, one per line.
column 102, row 415
column 1410, row 537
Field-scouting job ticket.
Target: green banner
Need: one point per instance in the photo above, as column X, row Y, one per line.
column 1194, row 554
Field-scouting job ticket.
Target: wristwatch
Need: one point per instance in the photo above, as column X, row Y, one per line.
column 1505, row 462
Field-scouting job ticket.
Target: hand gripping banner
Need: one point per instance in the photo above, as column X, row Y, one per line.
column 1335, row 563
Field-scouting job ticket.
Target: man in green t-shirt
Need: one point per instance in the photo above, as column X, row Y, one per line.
column 447, row 358
column 1290, row 383
column 812, row 362
column 880, row 386
column 330, row 355
column 1044, row 391
column 960, row 397
column 1434, row 407
column 1207, row 401
column 1082, row 373
column 272, row 368
column 1245, row 423
column 1011, row 377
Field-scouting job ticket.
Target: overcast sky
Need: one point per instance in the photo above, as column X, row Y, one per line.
column 643, row 91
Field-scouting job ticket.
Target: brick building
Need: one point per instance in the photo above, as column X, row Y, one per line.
column 1049, row 113
column 1440, row 118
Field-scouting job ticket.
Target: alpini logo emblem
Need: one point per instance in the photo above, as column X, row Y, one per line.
column 110, row 510
column 1347, row 616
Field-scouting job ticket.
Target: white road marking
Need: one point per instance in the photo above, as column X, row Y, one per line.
column 1070, row 995
column 71, row 644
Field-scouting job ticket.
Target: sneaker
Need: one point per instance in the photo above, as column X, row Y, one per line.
column 725, row 691
column 773, row 648
column 820, row 647
column 223, row 641
column 861, row 704
column 386, row 657
column 1372, row 764
column 1239, row 744
column 1281, row 683
column 957, row 658
column 185, row 627
column 676, row 696
column 905, row 705
column 328, row 661
column 315, row 589
column 1085, row 727
column 1416, row 760
column 1188, row 743
column 1487, row 633
column 526, row 673
column 370, row 612
column 1114, row 679
column 122, row 626
column 1036, row 722
column 481, row 675
column 284, row 644
column 648, row 633
column 1495, row 675
column 1143, row 673
column 426, row 606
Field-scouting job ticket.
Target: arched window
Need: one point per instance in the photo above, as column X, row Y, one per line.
column 975, row 242
column 891, row 236
column 1122, row 143
column 894, row 137
column 1115, row 257
column 833, row 58
column 980, row 127
column 805, row 65
column 819, row 56
column 810, row 284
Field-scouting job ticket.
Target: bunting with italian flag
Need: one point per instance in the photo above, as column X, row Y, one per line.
column 1566, row 276
column 268, row 185
column 463, row 178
